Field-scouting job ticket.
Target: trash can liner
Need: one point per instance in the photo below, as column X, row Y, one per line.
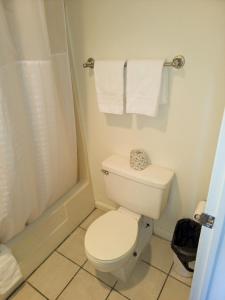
column 185, row 241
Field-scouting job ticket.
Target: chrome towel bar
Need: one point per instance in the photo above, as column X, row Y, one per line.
column 177, row 62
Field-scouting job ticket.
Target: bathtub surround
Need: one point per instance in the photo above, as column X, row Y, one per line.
column 183, row 136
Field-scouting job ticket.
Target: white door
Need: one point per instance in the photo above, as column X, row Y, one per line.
column 209, row 276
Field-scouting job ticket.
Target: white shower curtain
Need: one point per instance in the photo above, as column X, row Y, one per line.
column 38, row 161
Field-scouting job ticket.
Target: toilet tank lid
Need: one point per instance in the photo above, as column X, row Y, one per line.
column 153, row 175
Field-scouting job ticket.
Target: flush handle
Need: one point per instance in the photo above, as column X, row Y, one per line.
column 105, row 172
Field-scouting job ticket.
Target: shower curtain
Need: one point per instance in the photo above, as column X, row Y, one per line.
column 38, row 162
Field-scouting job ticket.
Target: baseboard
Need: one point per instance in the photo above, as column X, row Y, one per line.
column 104, row 206
column 161, row 232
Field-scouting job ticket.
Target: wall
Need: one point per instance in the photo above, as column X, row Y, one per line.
column 183, row 137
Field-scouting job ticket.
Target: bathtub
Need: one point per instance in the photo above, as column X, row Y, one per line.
column 39, row 239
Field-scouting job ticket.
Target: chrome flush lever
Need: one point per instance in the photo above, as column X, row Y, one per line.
column 105, row 172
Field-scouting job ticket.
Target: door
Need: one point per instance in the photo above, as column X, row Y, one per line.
column 209, row 276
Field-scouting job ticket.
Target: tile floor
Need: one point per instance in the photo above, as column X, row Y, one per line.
column 67, row 275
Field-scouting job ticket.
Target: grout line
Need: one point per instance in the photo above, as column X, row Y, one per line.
column 120, row 293
column 177, row 278
column 58, row 245
column 80, row 268
column 83, row 228
column 14, row 292
column 180, row 281
column 37, row 290
column 95, row 277
column 57, row 251
column 68, row 283
column 16, row 289
column 114, row 289
column 110, row 291
column 78, row 226
column 109, row 294
column 92, row 221
column 23, row 283
column 147, row 263
column 26, row 279
column 164, row 283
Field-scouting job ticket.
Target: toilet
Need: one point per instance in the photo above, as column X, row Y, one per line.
column 115, row 241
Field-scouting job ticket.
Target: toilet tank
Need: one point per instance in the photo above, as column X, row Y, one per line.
column 144, row 192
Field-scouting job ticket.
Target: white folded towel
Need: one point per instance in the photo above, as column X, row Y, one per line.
column 10, row 273
column 145, row 87
column 109, row 82
column 164, row 88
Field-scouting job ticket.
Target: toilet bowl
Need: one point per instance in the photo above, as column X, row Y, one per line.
column 110, row 241
column 115, row 241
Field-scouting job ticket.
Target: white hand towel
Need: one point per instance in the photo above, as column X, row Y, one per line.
column 145, row 89
column 10, row 273
column 109, row 82
column 164, row 88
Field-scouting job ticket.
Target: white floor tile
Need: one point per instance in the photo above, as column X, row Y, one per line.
column 26, row 292
column 96, row 214
column 73, row 247
column 174, row 290
column 159, row 254
column 116, row 296
column 106, row 277
column 145, row 283
column 85, row 287
column 187, row 280
column 53, row 275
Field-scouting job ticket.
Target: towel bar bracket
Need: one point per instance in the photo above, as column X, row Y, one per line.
column 89, row 63
column 177, row 62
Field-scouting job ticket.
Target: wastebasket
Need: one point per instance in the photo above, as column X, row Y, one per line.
column 185, row 244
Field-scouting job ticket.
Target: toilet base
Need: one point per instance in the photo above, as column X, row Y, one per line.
column 144, row 237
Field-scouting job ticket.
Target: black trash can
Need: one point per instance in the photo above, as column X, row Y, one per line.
column 185, row 244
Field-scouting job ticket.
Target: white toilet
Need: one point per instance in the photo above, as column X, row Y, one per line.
column 114, row 242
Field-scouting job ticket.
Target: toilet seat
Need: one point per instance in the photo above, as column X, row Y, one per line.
column 111, row 237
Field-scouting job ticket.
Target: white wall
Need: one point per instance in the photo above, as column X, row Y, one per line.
column 183, row 137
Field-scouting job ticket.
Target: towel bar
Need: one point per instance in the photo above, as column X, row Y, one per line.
column 177, row 62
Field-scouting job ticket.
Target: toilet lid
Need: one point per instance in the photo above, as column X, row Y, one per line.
column 111, row 236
